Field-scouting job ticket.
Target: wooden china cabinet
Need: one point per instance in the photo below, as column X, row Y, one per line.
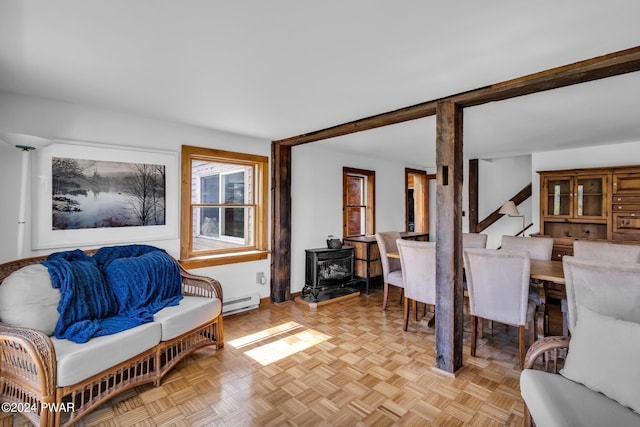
column 599, row 203
column 625, row 224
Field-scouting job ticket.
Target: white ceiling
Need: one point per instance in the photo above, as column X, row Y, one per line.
column 279, row 68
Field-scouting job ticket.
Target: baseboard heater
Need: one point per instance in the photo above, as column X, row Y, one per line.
column 240, row 304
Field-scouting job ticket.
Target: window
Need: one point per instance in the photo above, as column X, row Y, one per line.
column 224, row 207
column 356, row 205
column 358, row 202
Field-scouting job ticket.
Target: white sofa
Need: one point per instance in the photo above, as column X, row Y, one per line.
column 598, row 382
column 38, row 370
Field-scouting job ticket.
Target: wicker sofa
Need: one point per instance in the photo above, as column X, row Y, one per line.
column 56, row 381
column 597, row 367
column 553, row 400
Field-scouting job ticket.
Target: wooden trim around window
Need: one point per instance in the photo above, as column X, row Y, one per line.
column 188, row 258
column 211, row 260
column 371, row 198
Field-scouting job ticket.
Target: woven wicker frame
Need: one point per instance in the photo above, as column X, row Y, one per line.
column 28, row 362
column 551, row 349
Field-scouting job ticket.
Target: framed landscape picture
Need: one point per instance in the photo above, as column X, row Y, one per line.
column 94, row 195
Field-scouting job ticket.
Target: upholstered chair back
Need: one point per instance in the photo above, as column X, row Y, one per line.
column 538, row 247
column 474, row 240
column 498, row 284
column 611, row 289
column 605, row 251
column 418, row 260
column 387, row 243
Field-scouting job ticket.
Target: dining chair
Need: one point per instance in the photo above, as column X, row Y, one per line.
column 538, row 248
column 586, row 281
column 606, row 251
column 418, row 261
column 471, row 240
column 599, row 251
column 474, row 240
column 498, row 284
column 391, row 267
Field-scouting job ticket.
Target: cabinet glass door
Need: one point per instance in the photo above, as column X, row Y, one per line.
column 558, row 197
column 590, row 197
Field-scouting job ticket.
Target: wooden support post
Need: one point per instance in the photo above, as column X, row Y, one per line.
column 449, row 290
column 281, row 223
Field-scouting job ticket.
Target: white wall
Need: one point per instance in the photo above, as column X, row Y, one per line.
column 498, row 181
column 316, row 192
column 625, row 154
column 316, row 179
column 62, row 121
column 317, row 198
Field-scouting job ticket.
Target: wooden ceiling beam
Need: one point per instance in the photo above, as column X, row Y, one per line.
column 405, row 114
column 613, row 64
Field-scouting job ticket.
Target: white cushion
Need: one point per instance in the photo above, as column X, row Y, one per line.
column 77, row 362
column 28, row 300
column 395, row 278
column 554, row 400
column 603, row 355
column 189, row 314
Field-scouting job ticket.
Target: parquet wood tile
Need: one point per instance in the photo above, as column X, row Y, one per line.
column 344, row 364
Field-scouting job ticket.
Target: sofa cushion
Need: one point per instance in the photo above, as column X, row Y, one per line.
column 603, row 355
column 189, row 314
column 28, row 300
column 77, row 362
column 554, row 400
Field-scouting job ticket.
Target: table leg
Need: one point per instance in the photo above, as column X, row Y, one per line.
column 542, row 315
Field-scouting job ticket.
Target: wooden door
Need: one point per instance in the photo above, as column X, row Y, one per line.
column 417, row 200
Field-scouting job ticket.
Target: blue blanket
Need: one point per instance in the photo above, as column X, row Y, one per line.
column 144, row 279
column 120, row 287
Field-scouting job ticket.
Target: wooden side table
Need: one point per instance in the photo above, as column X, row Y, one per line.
column 367, row 264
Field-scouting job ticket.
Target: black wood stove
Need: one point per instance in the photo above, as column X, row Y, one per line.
column 328, row 273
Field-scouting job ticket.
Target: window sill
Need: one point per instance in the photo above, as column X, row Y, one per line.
column 231, row 258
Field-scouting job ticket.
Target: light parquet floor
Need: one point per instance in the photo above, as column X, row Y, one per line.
column 366, row 372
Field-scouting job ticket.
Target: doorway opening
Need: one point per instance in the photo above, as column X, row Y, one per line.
column 417, row 200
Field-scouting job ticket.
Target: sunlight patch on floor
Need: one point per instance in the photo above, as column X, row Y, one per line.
column 266, row 333
column 287, row 346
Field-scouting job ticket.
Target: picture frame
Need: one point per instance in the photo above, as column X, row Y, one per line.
column 46, row 236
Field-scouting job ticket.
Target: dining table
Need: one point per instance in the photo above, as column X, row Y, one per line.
column 548, row 275
column 547, row 270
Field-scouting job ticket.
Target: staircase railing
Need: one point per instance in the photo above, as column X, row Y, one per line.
column 522, row 195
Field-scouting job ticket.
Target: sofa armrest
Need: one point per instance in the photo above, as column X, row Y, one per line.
column 202, row 286
column 552, row 348
column 28, row 363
